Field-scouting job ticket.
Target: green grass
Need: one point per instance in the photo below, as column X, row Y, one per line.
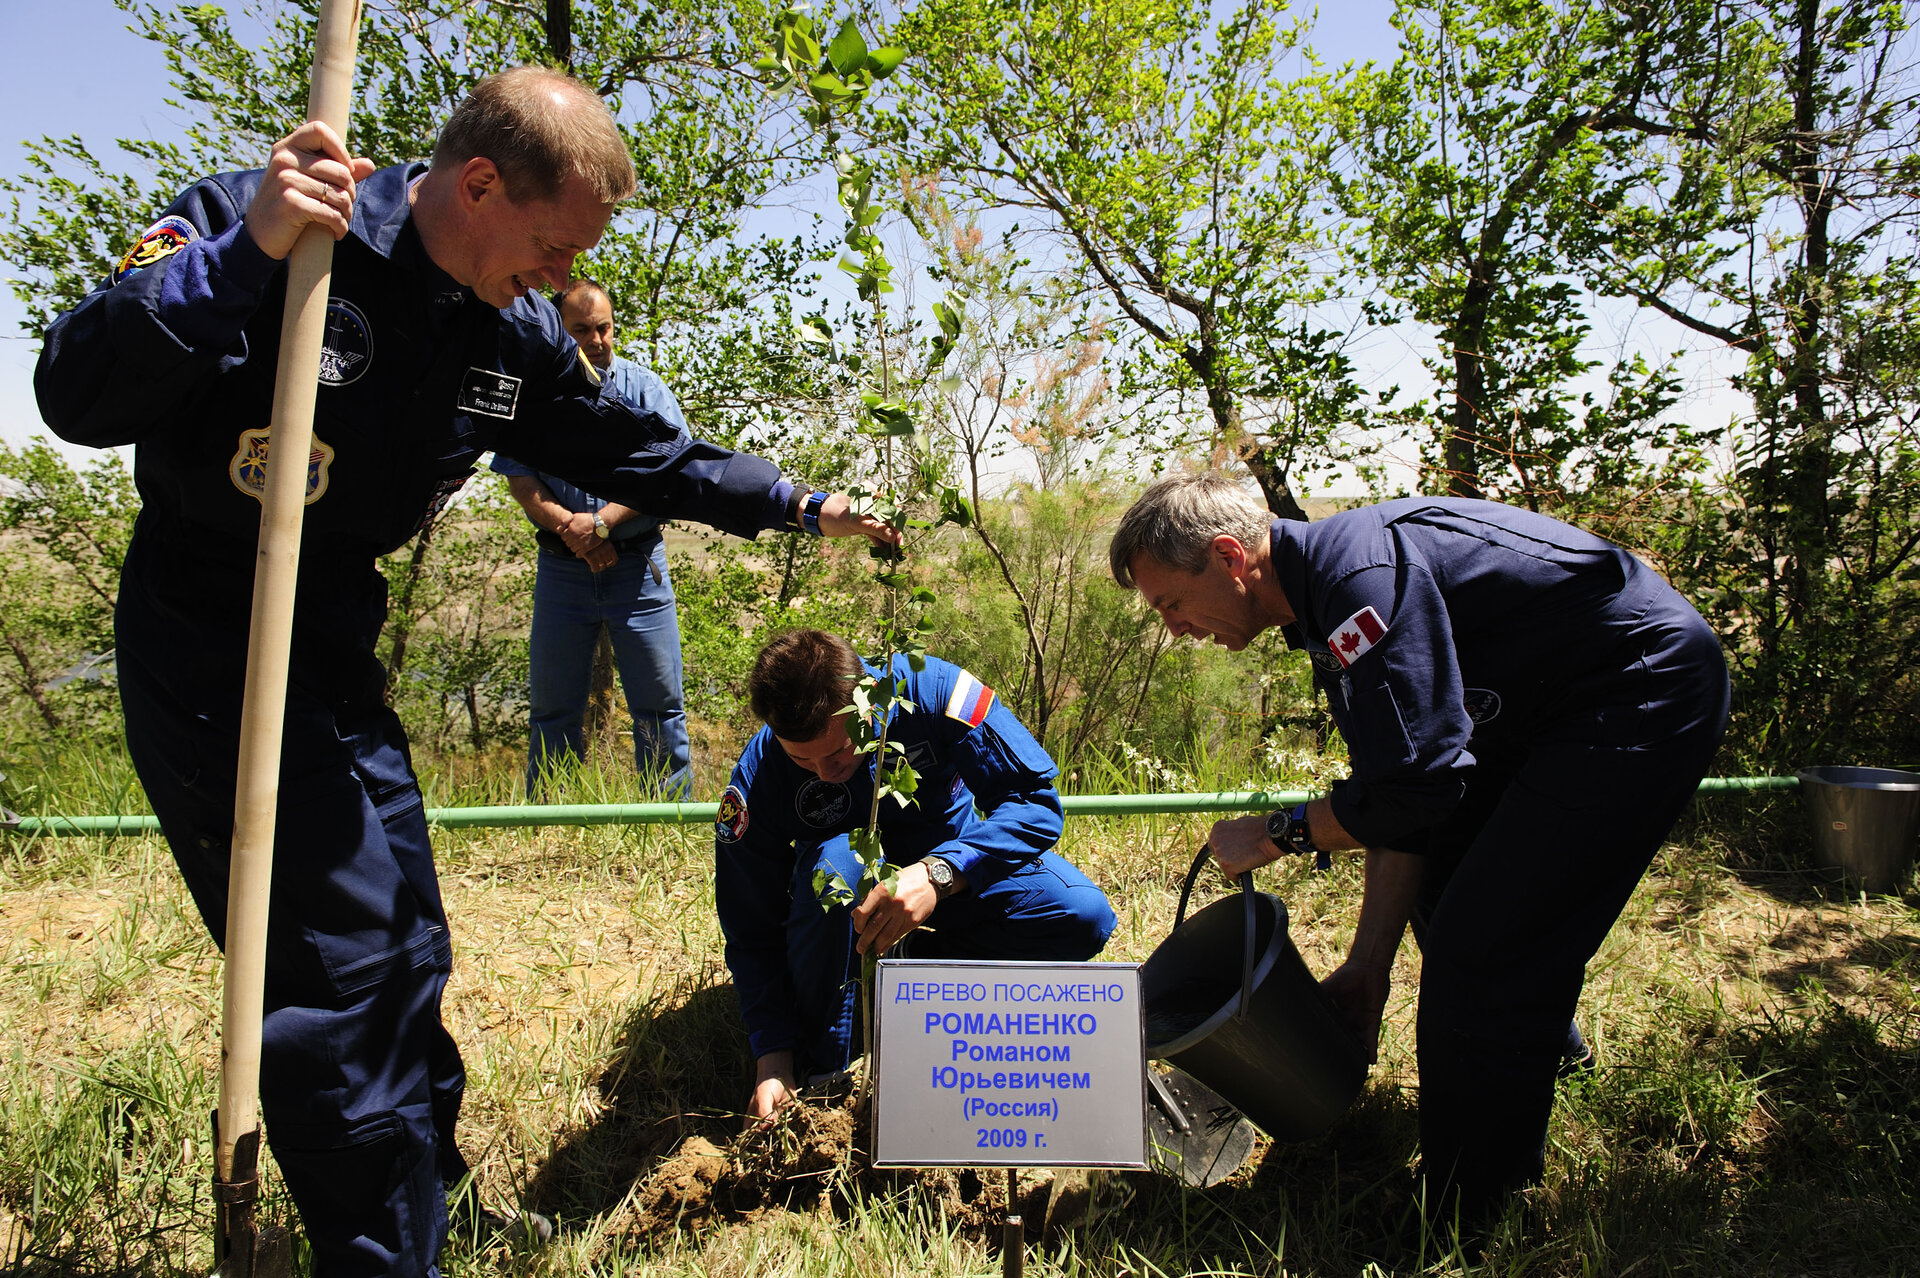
column 1756, row 1113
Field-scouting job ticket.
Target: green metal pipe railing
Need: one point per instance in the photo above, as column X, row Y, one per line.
column 1108, row 805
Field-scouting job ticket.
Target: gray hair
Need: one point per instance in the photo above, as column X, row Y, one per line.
column 1175, row 521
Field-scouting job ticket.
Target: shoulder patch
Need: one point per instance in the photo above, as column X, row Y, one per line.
column 1354, row 637
column 730, row 823
column 157, row 243
column 970, row 701
column 248, row 469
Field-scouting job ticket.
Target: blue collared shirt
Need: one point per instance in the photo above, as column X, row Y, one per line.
column 644, row 389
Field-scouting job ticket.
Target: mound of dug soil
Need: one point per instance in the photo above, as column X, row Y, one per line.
column 810, row 1159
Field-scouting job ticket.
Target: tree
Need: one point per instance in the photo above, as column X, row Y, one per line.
column 1785, row 227
column 1484, row 163
column 1030, row 380
column 1176, row 174
column 63, row 536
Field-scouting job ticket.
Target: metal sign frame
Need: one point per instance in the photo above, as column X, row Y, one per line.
column 1034, row 1151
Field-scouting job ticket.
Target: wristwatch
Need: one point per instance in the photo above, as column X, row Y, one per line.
column 600, row 528
column 1289, row 831
column 940, row 873
column 810, row 512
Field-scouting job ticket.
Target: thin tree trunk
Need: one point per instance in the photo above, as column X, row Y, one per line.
column 30, row 679
column 1461, row 456
column 601, row 717
column 402, row 613
column 1811, row 452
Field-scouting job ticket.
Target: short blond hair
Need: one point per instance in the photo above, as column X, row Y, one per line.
column 1175, row 521
column 539, row 128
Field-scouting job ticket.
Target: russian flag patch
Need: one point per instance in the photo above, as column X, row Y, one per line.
column 970, row 701
column 1354, row 637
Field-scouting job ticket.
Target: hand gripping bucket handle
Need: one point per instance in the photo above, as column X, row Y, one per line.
column 1248, row 899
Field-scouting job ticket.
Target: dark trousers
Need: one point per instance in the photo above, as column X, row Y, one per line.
column 1522, row 884
column 360, row 1083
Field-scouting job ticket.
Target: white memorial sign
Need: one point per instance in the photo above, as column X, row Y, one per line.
column 1009, row 1065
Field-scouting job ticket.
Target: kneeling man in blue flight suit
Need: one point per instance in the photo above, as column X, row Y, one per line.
column 1527, row 709
column 978, row 878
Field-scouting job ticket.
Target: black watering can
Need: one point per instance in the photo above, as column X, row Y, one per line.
column 1270, row 1045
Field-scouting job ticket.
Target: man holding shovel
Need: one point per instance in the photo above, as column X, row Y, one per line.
column 436, row 351
column 1527, row 709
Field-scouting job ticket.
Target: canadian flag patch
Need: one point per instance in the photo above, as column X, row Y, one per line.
column 970, row 701
column 1354, row 637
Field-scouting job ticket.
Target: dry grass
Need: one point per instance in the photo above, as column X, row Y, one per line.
column 1756, row 1031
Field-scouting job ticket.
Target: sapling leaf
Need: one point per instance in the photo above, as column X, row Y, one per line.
column 955, row 509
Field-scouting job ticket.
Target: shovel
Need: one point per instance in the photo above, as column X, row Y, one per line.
column 243, row 1247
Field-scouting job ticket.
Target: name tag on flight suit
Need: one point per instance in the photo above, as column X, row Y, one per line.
column 488, row 392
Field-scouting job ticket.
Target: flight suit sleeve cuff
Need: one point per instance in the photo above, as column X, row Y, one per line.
column 969, row 861
column 1391, row 815
column 774, row 515
column 244, row 262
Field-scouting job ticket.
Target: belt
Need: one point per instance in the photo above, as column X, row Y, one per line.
column 550, row 544
column 644, row 543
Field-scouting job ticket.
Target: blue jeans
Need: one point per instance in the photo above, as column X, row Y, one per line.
column 570, row 601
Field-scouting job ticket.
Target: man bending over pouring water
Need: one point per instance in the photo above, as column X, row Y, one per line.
column 1527, row 709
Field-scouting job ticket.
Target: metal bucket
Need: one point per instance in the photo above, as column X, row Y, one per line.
column 1865, row 821
column 1268, row 1043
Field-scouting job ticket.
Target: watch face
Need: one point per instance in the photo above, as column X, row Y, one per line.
column 939, row 872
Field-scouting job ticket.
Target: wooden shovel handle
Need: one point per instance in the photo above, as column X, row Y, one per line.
column 276, row 570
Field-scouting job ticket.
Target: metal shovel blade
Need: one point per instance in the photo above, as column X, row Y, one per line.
column 1193, row 1134
column 267, row 1253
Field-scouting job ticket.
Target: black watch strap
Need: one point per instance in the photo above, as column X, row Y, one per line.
column 1290, row 832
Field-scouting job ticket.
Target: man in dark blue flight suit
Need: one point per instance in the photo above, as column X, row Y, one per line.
column 977, row 867
column 436, row 351
column 1527, row 709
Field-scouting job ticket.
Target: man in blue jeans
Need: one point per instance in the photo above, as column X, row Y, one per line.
column 602, row 563
column 978, row 876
